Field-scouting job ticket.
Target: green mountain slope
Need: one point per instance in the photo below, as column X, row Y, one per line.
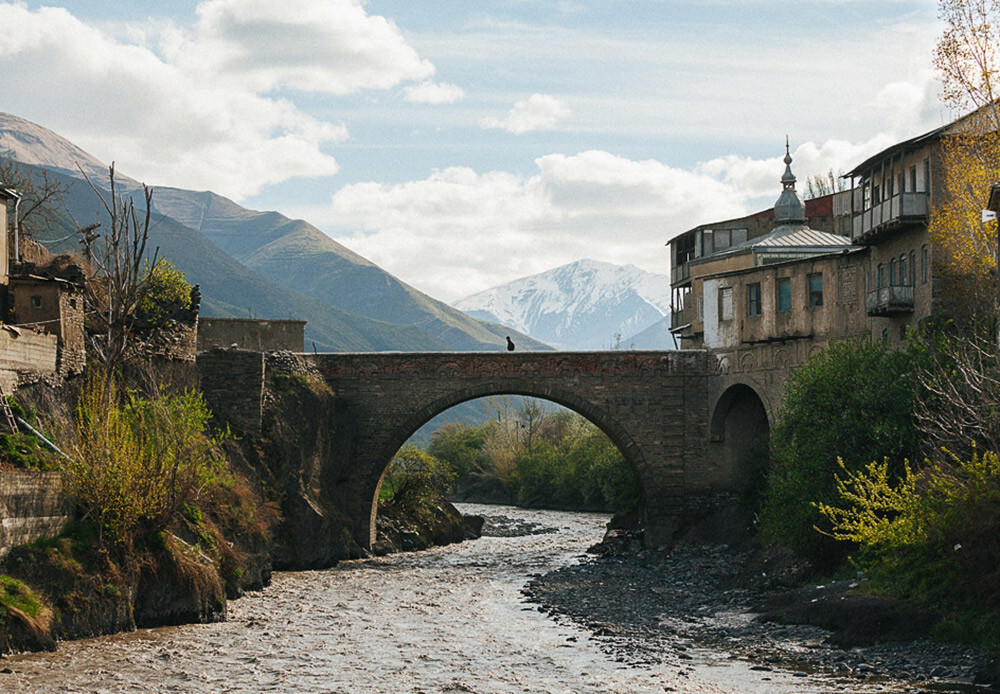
column 262, row 263
column 297, row 255
column 229, row 288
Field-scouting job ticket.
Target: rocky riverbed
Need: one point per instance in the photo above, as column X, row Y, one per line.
column 651, row 607
column 456, row 619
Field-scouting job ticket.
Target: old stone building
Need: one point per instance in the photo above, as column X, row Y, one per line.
column 855, row 264
column 42, row 311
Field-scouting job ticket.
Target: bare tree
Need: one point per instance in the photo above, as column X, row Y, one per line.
column 818, row 186
column 118, row 283
column 966, row 54
column 41, row 197
column 960, row 400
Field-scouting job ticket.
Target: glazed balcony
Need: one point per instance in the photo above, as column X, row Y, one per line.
column 898, row 211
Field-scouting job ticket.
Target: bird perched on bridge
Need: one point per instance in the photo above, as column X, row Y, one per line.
column 510, row 344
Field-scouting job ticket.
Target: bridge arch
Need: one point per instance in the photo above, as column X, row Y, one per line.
column 620, row 437
column 738, row 429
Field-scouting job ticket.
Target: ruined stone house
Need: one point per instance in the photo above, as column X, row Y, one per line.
column 41, row 310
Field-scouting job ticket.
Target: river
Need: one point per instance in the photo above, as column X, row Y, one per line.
column 451, row 619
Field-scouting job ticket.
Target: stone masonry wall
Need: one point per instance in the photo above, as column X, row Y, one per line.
column 653, row 405
column 31, row 506
column 232, row 382
column 252, row 334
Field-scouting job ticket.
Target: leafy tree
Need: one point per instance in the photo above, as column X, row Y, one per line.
column 414, row 479
column 462, row 446
column 965, row 247
column 853, row 400
column 537, row 458
column 166, row 293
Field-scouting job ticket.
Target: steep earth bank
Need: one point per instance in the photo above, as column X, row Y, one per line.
column 282, row 511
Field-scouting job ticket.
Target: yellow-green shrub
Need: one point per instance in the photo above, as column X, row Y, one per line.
column 932, row 535
column 138, row 461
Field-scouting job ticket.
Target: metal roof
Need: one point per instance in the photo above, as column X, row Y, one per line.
column 906, row 144
column 792, row 237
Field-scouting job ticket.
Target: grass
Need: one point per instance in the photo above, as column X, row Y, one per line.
column 15, row 594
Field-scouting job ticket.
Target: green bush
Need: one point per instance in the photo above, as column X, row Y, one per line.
column 855, row 401
column 931, row 535
column 167, row 292
column 138, row 461
column 537, row 458
column 414, row 480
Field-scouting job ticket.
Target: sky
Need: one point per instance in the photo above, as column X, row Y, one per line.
column 459, row 144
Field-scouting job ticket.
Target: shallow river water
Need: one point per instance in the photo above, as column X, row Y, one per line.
column 451, row 619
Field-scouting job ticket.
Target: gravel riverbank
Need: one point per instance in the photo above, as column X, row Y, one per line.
column 654, row 607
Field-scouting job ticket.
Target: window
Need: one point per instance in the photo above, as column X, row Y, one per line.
column 902, row 270
column 902, row 331
column 924, row 263
column 36, row 303
column 885, row 335
column 880, row 281
column 913, row 269
column 815, row 289
column 784, row 294
column 892, row 272
column 753, row 299
column 726, row 303
column 72, row 303
column 913, row 179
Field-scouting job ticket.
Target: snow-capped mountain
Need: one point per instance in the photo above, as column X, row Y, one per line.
column 584, row 305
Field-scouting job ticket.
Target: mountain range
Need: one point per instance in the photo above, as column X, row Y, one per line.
column 584, row 305
column 259, row 264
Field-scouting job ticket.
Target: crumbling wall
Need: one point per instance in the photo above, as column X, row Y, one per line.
column 32, row 505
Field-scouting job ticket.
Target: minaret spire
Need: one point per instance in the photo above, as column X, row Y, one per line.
column 789, row 209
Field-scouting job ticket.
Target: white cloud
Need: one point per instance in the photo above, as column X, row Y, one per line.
column 433, row 93
column 537, row 112
column 458, row 231
column 758, row 178
column 325, row 46
column 195, row 108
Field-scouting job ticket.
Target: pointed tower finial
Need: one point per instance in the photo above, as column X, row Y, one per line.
column 789, row 209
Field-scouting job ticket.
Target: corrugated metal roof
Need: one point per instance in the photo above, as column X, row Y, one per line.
column 803, row 237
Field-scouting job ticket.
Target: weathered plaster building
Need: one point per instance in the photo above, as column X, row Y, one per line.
column 855, row 264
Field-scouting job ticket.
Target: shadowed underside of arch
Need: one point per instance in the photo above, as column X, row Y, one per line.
column 739, row 429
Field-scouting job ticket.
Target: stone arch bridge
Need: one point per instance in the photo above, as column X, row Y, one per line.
column 661, row 409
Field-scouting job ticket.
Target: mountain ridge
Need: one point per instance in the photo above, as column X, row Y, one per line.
column 586, row 304
column 260, row 261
